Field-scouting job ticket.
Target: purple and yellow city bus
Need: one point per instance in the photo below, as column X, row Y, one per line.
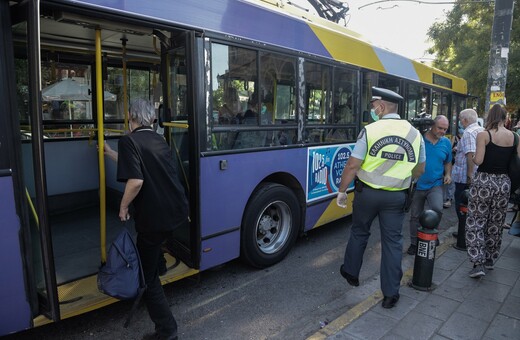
column 260, row 102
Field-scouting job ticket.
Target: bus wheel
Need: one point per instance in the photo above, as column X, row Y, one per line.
column 270, row 225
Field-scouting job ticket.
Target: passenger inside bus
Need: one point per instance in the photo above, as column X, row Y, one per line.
column 343, row 112
column 250, row 139
column 229, row 112
column 251, row 115
column 266, row 112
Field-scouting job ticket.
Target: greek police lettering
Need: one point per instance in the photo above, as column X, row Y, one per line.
column 393, row 140
column 392, row 156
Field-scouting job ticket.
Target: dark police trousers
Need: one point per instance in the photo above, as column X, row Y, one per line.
column 388, row 206
column 150, row 252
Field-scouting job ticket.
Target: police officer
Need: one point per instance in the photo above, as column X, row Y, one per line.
column 387, row 155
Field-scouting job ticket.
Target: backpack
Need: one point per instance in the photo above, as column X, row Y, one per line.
column 122, row 276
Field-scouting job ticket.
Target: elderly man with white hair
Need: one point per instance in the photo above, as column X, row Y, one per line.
column 464, row 168
column 146, row 166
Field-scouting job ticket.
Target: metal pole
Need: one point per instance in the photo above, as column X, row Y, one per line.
column 101, row 143
column 40, row 179
column 498, row 56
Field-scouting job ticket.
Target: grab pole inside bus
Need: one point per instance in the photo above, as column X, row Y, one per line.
column 125, row 101
column 101, row 148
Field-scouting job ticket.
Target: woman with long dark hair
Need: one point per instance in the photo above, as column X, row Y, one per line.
column 489, row 192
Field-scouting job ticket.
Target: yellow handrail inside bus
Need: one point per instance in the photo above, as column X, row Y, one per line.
column 176, row 125
column 70, row 130
column 322, row 100
column 125, row 94
column 101, row 147
column 115, row 131
column 275, row 106
column 33, row 210
column 77, row 130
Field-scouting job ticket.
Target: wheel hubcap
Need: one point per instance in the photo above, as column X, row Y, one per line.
column 273, row 227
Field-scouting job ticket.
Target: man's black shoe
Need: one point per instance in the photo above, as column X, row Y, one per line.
column 390, row 301
column 412, row 249
column 161, row 267
column 351, row 279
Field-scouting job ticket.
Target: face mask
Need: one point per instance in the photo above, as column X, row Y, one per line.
column 374, row 116
column 461, row 128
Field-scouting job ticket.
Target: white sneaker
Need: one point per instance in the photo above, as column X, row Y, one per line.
column 488, row 264
column 477, row 271
column 447, row 204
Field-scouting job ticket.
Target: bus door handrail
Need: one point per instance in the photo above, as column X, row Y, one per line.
column 180, row 126
column 101, row 147
column 33, row 209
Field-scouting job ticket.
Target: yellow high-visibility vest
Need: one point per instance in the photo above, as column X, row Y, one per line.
column 392, row 152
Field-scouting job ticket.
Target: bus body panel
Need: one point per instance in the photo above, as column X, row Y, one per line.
column 241, row 176
column 234, row 17
column 16, row 315
column 220, row 249
column 238, row 18
column 238, row 175
column 426, row 75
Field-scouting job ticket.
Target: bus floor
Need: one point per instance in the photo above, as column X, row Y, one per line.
column 76, row 243
column 76, row 240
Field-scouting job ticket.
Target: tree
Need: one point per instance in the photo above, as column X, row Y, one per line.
column 462, row 43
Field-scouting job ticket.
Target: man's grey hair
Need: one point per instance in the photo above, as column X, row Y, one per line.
column 142, row 111
column 441, row 117
column 469, row 114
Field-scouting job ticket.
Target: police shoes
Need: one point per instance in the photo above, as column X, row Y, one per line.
column 351, row 279
column 390, row 301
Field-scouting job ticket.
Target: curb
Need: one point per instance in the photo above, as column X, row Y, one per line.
column 358, row 310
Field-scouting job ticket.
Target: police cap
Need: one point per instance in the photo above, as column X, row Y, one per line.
column 379, row 93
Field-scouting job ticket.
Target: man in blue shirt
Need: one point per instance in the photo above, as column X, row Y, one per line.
column 436, row 174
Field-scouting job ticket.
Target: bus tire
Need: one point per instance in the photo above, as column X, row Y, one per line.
column 270, row 225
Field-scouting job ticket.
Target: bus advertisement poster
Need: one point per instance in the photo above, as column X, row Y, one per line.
column 325, row 165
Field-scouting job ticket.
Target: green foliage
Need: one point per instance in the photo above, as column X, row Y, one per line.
column 22, row 88
column 462, row 44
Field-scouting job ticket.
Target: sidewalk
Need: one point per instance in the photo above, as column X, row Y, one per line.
column 459, row 307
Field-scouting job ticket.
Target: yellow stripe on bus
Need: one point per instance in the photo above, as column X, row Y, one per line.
column 425, row 74
column 348, row 49
column 333, row 212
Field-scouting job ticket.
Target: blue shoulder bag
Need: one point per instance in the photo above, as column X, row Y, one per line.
column 122, row 276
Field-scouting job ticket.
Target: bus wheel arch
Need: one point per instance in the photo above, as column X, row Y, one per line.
column 270, row 225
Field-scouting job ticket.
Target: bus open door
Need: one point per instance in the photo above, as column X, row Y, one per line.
column 177, row 112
